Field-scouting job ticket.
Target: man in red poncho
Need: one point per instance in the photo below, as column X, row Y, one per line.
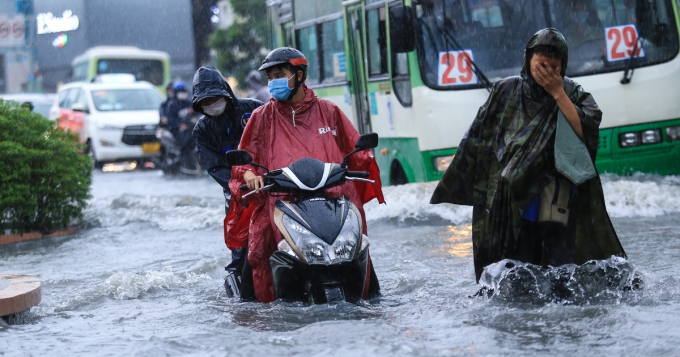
column 295, row 124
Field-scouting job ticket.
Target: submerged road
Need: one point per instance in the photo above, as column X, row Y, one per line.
column 144, row 277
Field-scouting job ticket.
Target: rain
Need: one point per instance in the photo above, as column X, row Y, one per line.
column 107, row 199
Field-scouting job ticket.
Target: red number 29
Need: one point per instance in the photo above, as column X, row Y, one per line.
column 449, row 58
column 629, row 38
column 464, row 69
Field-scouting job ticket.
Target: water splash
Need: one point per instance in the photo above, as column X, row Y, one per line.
column 132, row 285
column 596, row 281
column 412, row 202
column 625, row 196
column 119, row 286
column 168, row 213
column 641, row 195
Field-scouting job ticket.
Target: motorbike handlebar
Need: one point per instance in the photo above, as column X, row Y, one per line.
column 265, row 188
column 358, row 174
column 244, row 187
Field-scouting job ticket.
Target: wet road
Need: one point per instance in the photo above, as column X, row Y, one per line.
column 144, row 277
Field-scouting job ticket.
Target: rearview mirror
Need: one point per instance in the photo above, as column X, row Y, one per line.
column 367, row 141
column 402, row 34
column 79, row 107
column 238, row 158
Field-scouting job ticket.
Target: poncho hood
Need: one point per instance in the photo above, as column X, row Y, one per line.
column 546, row 37
column 208, row 82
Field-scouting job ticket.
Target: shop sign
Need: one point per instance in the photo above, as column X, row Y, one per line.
column 48, row 23
column 12, row 30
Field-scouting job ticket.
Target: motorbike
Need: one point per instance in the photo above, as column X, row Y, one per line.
column 170, row 158
column 323, row 256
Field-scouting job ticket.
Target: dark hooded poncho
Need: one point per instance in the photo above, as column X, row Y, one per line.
column 214, row 136
column 507, row 157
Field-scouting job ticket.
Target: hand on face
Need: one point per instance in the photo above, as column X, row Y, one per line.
column 547, row 76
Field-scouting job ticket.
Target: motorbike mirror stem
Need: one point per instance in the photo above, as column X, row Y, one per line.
column 344, row 160
column 260, row 166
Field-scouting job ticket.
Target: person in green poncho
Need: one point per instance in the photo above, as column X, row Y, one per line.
column 526, row 166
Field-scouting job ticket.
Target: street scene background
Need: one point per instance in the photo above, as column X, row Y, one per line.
column 144, row 273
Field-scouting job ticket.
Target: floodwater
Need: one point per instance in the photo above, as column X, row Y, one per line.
column 144, row 277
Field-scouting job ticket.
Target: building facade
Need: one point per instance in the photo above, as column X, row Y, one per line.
column 37, row 56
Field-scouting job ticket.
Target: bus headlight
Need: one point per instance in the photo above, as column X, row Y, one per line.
column 441, row 163
column 629, row 139
column 673, row 133
column 651, row 136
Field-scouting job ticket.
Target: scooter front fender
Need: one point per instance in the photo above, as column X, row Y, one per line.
column 295, row 280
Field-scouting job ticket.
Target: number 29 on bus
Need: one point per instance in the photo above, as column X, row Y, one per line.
column 455, row 68
column 621, row 41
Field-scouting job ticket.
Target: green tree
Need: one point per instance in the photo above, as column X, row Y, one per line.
column 242, row 47
column 44, row 177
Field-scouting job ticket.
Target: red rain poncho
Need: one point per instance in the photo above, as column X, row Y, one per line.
column 276, row 138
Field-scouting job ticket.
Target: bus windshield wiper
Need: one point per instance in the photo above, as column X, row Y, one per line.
column 644, row 10
column 630, row 68
column 478, row 72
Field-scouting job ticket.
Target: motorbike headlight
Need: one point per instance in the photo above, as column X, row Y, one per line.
column 364, row 242
column 286, row 248
column 316, row 251
column 345, row 245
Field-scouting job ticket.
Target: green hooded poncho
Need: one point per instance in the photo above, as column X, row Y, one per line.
column 508, row 156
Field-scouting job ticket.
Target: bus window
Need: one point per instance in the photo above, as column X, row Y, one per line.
column 377, row 42
column 333, row 51
column 486, row 12
column 143, row 70
column 400, row 64
column 305, row 10
column 307, row 43
column 289, row 35
column 599, row 33
column 494, row 39
column 80, row 71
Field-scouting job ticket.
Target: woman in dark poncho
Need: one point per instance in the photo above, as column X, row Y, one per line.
column 537, row 132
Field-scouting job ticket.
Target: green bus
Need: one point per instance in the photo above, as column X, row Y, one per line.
column 417, row 71
column 145, row 65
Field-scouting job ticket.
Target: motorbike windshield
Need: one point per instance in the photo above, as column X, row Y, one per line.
column 601, row 35
column 126, row 99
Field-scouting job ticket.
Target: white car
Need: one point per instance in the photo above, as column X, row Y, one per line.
column 117, row 121
column 41, row 102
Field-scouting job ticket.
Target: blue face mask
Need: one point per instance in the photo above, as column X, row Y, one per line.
column 279, row 90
